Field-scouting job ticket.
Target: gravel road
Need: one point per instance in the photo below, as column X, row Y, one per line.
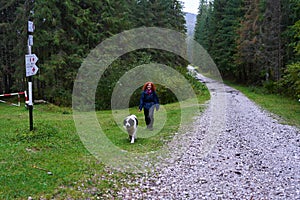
column 250, row 156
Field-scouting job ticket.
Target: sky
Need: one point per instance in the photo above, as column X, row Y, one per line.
column 191, row 6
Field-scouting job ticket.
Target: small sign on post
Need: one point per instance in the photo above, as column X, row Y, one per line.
column 30, row 40
column 30, row 27
column 31, row 68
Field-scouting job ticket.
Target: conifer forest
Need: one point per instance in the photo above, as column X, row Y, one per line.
column 253, row 42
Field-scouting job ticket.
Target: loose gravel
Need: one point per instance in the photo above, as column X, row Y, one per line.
column 252, row 156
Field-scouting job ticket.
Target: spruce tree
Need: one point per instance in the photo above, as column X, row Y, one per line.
column 203, row 24
column 249, row 54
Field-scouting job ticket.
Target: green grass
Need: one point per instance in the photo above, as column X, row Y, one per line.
column 54, row 146
column 287, row 109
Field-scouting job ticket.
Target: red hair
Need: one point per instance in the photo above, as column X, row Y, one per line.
column 152, row 86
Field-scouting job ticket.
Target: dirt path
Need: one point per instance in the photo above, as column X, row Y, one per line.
column 236, row 151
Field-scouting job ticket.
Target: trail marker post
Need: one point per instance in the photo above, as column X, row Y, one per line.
column 31, row 69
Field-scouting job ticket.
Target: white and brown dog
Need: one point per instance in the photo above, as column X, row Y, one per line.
column 130, row 124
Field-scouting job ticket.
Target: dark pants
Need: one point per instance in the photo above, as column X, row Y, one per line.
column 149, row 116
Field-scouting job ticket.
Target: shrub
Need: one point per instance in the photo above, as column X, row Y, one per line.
column 290, row 83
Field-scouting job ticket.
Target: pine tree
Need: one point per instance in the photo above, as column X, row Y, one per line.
column 272, row 49
column 13, row 45
column 249, row 53
column 227, row 36
column 216, row 31
column 290, row 16
column 203, row 24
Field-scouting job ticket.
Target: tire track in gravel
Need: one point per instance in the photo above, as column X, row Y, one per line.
column 239, row 152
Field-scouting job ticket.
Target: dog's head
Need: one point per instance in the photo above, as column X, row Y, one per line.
column 130, row 121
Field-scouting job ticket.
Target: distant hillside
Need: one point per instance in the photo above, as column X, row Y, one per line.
column 190, row 19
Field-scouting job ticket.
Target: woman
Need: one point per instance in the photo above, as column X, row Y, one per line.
column 148, row 101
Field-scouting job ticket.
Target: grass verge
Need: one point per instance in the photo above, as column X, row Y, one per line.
column 287, row 109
